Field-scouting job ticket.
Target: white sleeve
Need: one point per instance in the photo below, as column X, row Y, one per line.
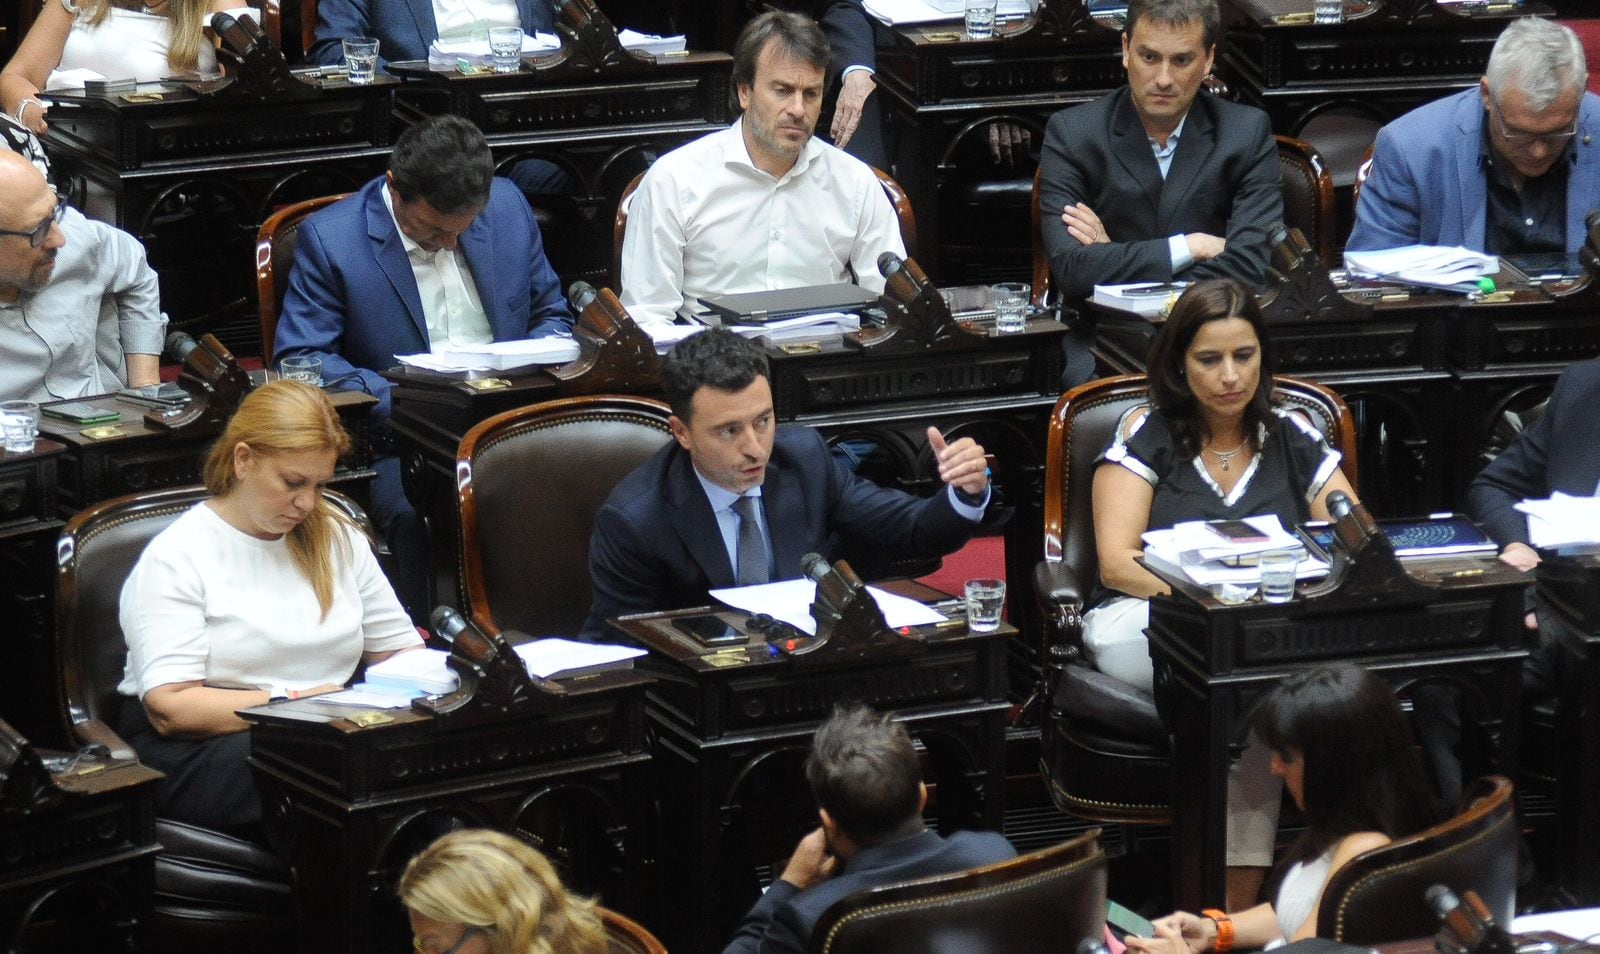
column 652, row 251
column 384, row 624
column 877, row 231
column 162, row 612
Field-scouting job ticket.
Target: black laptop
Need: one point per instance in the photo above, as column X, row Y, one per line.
column 761, row 307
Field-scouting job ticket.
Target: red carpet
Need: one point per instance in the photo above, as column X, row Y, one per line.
column 982, row 558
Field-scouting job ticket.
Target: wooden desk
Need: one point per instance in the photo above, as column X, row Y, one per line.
column 1568, row 595
column 733, row 729
column 1213, row 662
column 30, row 519
column 942, row 92
column 351, row 804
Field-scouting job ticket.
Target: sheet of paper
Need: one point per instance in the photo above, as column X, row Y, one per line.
column 372, row 697
column 496, row 355
column 650, row 42
column 1424, row 264
column 790, row 601
column 546, row 657
column 901, row 12
column 1562, row 520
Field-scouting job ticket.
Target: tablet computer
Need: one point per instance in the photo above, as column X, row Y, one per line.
column 1443, row 534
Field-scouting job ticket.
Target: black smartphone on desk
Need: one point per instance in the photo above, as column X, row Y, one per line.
column 710, row 630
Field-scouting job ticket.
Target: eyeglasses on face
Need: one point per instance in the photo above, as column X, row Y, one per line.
column 36, row 236
column 467, row 935
column 1521, row 139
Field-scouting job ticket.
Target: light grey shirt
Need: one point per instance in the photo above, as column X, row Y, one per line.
column 70, row 338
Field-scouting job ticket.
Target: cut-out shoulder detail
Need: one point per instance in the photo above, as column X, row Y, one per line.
column 1132, row 420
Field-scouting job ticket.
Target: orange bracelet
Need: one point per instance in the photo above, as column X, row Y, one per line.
column 1224, row 942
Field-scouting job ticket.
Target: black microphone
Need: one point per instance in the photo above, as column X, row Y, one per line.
column 889, row 263
column 1339, row 507
column 903, row 280
column 1469, row 925
column 180, row 343
column 813, row 566
column 581, row 295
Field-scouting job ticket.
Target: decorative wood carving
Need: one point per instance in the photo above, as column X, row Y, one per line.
column 1585, row 288
column 1061, row 19
column 256, row 69
column 614, row 353
column 1299, row 288
column 589, row 42
column 494, row 681
column 850, row 626
column 25, row 784
column 919, row 317
column 216, row 384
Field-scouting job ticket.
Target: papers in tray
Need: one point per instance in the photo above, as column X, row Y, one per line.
column 1140, row 298
column 1563, row 520
column 443, row 54
column 496, row 355
column 427, row 671
column 802, row 328
column 905, row 12
column 650, row 43
column 1436, row 266
column 790, row 601
column 1191, row 550
column 552, row 657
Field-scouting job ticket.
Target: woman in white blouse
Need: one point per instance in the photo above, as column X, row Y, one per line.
column 119, row 39
column 264, row 591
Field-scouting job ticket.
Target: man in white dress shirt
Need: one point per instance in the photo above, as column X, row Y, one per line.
column 762, row 204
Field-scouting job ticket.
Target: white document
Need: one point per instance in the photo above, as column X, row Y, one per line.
column 790, row 601
column 550, row 657
column 905, row 12
column 497, row 355
column 444, row 53
column 372, row 697
column 1562, row 520
column 1141, row 298
column 1190, row 549
column 1436, row 265
column 651, row 43
column 425, row 669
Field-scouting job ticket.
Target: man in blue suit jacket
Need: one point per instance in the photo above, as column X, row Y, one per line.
column 437, row 249
column 671, row 531
column 1509, row 167
column 404, row 29
column 864, row 776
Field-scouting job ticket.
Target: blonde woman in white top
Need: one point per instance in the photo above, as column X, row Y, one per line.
column 118, row 39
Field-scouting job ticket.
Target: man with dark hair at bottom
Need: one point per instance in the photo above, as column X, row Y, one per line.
column 864, row 777
column 735, row 499
column 436, row 252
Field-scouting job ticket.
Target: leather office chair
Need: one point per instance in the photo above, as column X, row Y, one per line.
column 1105, row 753
column 1307, row 206
column 530, row 482
column 1378, row 896
column 212, row 890
column 292, row 24
column 1363, row 172
column 897, row 198
column 996, row 909
column 627, row 936
column 275, row 244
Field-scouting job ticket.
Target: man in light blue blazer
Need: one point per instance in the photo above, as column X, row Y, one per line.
column 1512, row 166
column 437, row 251
column 405, row 29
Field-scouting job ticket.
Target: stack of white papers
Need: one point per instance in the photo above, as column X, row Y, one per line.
column 1140, row 298
column 1436, row 266
column 443, row 54
column 496, row 355
column 393, row 683
column 1563, row 520
column 801, row 328
column 790, row 601
column 548, row 658
column 425, row 670
column 1191, row 549
column 905, row 12
column 650, row 43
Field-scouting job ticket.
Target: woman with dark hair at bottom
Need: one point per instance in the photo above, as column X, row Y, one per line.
column 1344, row 750
column 483, row 892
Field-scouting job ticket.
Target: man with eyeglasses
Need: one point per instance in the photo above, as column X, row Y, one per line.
column 80, row 310
column 1508, row 168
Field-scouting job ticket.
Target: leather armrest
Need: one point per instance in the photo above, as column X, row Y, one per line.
column 1057, row 584
column 95, row 732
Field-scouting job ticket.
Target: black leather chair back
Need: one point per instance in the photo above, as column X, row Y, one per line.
column 1081, row 427
column 529, row 484
column 1003, row 908
column 1307, row 194
column 1378, row 896
column 275, row 244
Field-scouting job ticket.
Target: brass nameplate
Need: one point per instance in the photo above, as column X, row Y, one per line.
column 488, row 384
column 367, row 720
column 723, row 660
column 103, row 432
column 942, row 37
column 801, row 347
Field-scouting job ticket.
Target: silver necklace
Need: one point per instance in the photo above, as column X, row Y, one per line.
column 1225, row 456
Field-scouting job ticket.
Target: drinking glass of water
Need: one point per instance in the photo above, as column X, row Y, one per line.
column 360, row 59
column 505, row 46
column 985, row 598
column 1278, row 570
column 20, row 421
column 1329, row 11
column 980, row 18
column 1010, row 306
column 301, row 367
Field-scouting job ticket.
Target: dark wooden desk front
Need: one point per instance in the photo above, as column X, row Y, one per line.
column 351, row 803
column 30, row 521
column 1213, row 662
column 733, row 727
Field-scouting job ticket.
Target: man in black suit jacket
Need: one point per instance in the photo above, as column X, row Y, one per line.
column 864, row 776
column 670, row 531
column 1154, row 183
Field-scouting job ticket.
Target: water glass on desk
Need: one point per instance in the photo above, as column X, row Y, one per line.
column 505, row 48
column 301, row 367
column 20, row 421
column 1329, row 12
column 1010, row 306
column 360, row 59
column 985, row 599
column 980, row 18
column 1278, row 571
